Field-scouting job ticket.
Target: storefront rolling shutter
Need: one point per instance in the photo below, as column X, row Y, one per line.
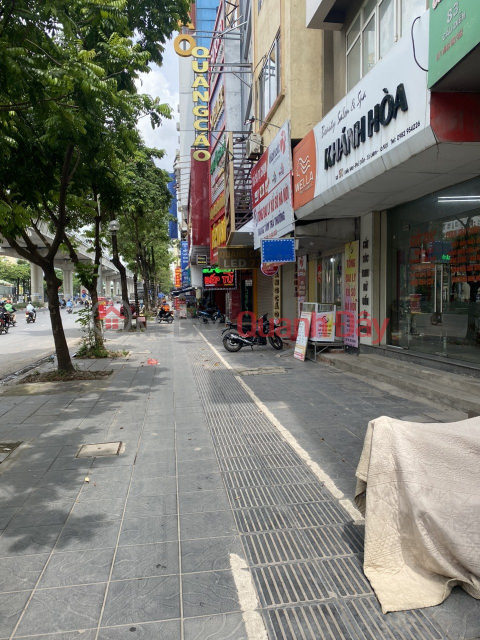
column 289, row 302
column 264, row 294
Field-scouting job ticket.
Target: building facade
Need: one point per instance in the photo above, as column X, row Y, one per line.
column 391, row 173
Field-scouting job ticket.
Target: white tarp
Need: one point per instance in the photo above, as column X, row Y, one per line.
column 422, row 510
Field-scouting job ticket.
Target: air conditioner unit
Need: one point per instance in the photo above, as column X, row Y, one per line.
column 254, row 146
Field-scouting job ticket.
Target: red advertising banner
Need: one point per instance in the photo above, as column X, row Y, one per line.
column 178, row 278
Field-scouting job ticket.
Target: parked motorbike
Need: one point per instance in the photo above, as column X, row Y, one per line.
column 233, row 341
column 30, row 316
column 164, row 316
column 213, row 315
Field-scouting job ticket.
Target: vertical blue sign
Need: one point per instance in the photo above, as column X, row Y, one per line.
column 184, row 255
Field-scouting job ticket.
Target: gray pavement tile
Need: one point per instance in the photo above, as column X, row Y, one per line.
column 459, row 615
column 11, row 607
column 200, row 482
column 6, row 515
column 201, row 501
column 82, row 634
column 149, row 506
column 191, row 467
column 98, row 510
column 16, row 542
column 100, row 489
column 143, row 487
column 209, row 593
column 79, row 535
column 193, row 451
column 210, row 554
column 21, row 573
column 155, row 470
column 163, row 456
column 148, row 530
column 227, row 626
column 77, row 567
column 65, row 609
column 169, row 630
column 148, row 560
column 145, row 600
column 207, row 525
column 110, row 474
column 41, row 514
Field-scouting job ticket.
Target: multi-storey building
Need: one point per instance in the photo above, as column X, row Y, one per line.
column 387, row 183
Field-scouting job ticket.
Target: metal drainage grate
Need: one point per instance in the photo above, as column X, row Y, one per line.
column 6, row 449
column 102, row 449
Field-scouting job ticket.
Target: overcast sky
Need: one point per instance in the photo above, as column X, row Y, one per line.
column 162, row 82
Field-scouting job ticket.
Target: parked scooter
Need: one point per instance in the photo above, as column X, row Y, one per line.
column 233, row 341
column 214, row 314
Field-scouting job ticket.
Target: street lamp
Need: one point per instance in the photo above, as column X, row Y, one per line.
column 114, row 227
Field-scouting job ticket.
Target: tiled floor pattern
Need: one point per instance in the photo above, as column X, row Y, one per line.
column 303, row 550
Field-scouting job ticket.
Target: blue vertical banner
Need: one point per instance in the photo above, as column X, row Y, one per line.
column 184, row 263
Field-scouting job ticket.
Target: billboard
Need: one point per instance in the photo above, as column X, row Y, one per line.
column 272, row 197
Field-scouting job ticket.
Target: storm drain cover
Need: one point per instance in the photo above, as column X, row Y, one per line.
column 6, row 449
column 100, row 449
column 262, row 371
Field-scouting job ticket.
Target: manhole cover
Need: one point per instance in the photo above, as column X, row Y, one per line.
column 6, row 449
column 100, row 449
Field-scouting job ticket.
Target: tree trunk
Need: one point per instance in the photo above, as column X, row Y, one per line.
column 61, row 348
column 123, row 280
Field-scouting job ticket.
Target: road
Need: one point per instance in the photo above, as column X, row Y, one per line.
column 26, row 343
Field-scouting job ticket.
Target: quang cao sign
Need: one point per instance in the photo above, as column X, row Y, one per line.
column 379, row 124
column 238, row 258
column 219, row 279
column 272, row 196
column 454, row 32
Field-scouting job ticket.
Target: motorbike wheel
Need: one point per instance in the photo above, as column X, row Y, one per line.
column 170, row 320
column 276, row 342
column 231, row 346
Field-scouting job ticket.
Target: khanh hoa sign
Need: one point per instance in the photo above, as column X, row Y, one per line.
column 201, row 92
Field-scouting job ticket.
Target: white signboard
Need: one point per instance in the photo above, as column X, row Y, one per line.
column 383, row 121
column 272, row 195
column 302, row 335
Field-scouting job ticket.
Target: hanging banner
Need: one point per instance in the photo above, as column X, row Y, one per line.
column 184, row 255
column 272, row 196
column 351, row 294
column 178, row 277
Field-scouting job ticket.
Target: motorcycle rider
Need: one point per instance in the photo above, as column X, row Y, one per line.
column 30, row 309
column 69, row 306
column 10, row 309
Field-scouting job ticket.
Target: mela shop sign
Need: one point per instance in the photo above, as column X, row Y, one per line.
column 454, row 32
column 272, row 195
column 219, row 279
column 201, row 92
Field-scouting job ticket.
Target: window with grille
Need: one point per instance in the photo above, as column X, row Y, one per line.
column 269, row 80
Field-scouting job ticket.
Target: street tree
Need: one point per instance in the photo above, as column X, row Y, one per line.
column 67, row 78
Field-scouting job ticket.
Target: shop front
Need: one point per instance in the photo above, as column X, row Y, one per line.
column 433, row 286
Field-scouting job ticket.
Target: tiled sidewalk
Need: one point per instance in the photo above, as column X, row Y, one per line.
column 209, row 525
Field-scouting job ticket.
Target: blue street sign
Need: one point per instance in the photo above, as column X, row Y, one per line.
column 84, row 295
column 278, row 250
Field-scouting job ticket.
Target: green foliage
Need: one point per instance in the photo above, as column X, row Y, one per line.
column 13, row 271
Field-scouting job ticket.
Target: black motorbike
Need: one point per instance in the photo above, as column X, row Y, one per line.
column 164, row 316
column 214, row 314
column 233, row 341
column 30, row 316
column 4, row 324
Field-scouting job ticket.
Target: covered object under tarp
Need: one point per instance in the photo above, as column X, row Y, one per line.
column 418, row 486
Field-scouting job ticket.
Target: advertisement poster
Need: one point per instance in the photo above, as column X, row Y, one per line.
column 323, row 327
column 302, row 336
column 272, row 195
column 351, row 294
column 219, row 279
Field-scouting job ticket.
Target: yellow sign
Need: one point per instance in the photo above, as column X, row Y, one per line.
column 201, row 92
column 217, row 206
column 219, row 233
